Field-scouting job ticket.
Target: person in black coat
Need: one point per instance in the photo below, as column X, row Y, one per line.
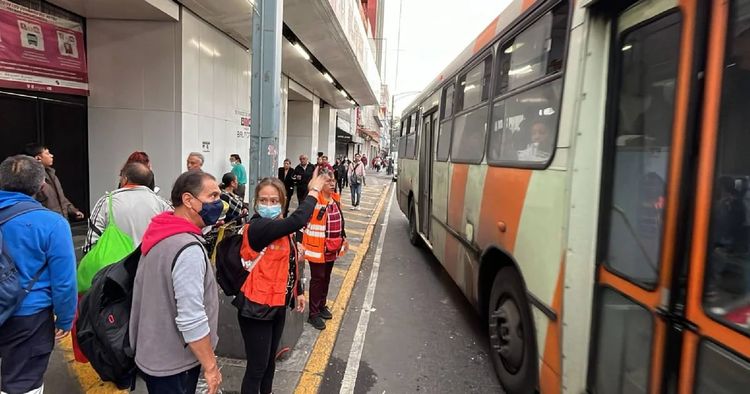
column 286, row 175
column 303, row 173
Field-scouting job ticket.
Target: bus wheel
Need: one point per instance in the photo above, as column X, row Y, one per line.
column 413, row 235
column 512, row 340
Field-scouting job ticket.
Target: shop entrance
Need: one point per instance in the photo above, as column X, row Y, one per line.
column 56, row 121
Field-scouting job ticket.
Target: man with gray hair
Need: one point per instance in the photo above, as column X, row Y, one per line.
column 195, row 161
column 40, row 245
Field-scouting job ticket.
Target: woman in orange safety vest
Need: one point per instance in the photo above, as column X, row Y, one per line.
column 270, row 255
column 324, row 239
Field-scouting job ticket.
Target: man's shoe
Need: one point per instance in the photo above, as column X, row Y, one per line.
column 317, row 322
column 325, row 313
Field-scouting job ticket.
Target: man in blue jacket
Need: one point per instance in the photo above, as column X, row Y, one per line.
column 35, row 240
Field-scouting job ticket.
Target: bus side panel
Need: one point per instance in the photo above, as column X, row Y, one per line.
column 439, row 236
column 408, row 179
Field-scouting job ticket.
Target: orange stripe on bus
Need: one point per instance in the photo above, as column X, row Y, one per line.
column 502, row 203
column 457, row 195
column 526, row 4
column 486, row 36
column 549, row 381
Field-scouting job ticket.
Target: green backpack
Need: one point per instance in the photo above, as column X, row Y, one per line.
column 112, row 246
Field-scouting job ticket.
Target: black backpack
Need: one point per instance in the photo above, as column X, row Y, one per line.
column 230, row 273
column 103, row 322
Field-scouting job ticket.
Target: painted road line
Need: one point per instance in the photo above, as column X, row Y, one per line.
column 356, row 221
column 312, row 375
column 355, row 213
column 358, row 344
column 85, row 374
column 355, row 232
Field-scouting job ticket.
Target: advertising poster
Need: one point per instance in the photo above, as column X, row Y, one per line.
column 41, row 52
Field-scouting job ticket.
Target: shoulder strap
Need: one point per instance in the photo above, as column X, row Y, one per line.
column 18, row 209
column 11, row 212
column 110, row 214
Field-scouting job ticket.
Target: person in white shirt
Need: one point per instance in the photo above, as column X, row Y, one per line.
column 539, row 150
column 133, row 206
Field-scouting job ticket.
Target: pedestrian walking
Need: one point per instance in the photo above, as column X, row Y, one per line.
column 390, row 166
column 286, row 175
column 175, row 310
column 40, row 245
column 229, row 185
column 303, row 173
column 339, row 170
column 273, row 282
column 356, row 177
column 195, row 161
column 324, row 239
column 51, row 194
column 133, row 205
column 363, row 159
column 324, row 163
column 347, row 163
column 239, row 171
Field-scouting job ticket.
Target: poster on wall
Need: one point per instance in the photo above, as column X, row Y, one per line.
column 41, row 52
column 242, row 123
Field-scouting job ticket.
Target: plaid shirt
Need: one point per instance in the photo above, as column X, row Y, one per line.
column 334, row 228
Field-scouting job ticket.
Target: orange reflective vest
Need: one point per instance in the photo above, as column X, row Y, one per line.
column 314, row 234
column 269, row 271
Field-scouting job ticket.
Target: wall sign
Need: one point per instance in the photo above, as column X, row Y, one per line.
column 41, row 52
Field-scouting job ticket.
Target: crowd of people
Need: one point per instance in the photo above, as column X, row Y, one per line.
column 174, row 314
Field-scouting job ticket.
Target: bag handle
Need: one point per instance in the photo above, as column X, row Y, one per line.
column 110, row 213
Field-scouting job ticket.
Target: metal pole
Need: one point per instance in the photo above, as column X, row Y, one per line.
column 265, row 89
column 395, row 77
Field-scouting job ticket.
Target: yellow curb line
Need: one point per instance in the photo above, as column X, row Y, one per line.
column 312, row 375
column 85, row 374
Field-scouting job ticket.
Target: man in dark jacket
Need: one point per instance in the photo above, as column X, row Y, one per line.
column 41, row 246
column 52, row 195
column 302, row 176
column 286, row 174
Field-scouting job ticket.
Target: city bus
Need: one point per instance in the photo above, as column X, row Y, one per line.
column 580, row 172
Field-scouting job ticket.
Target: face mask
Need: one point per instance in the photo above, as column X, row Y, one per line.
column 211, row 212
column 269, row 211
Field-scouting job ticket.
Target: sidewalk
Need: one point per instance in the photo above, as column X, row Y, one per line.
column 66, row 376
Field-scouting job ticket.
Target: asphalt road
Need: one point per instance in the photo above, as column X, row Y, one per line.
column 422, row 336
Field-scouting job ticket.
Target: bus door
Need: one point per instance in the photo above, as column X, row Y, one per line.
column 426, row 158
column 651, row 74
column 716, row 345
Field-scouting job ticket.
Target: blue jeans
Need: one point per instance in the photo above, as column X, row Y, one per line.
column 182, row 383
column 356, row 193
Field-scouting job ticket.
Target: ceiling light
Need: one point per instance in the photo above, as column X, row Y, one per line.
column 328, row 77
column 302, row 51
column 627, row 47
column 343, row 93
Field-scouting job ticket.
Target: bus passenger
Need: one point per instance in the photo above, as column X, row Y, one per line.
column 269, row 242
column 540, row 148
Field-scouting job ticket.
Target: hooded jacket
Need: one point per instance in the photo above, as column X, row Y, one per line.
column 34, row 239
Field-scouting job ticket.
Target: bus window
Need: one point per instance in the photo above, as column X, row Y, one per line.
column 470, row 131
column 411, row 138
column 446, row 126
column 524, row 127
column 402, row 147
column 647, row 64
column 727, row 287
column 446, row 110
column 534, row 53
column 474, row 85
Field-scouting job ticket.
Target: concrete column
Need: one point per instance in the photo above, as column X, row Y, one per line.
column 303, row 128
column 327, row 132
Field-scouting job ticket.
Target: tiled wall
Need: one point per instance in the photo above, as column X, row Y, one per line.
column 215, row 86
column 134, row 99
column 165, row 88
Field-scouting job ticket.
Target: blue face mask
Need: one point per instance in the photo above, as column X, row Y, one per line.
column 211, row 212
column 269, row 211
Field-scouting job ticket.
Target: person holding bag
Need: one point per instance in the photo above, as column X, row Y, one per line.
column 324, row 239
column 356, row 180
column 270, row 255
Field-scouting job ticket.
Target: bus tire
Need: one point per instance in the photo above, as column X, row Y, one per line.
column 413, row 234
column 511, row 331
